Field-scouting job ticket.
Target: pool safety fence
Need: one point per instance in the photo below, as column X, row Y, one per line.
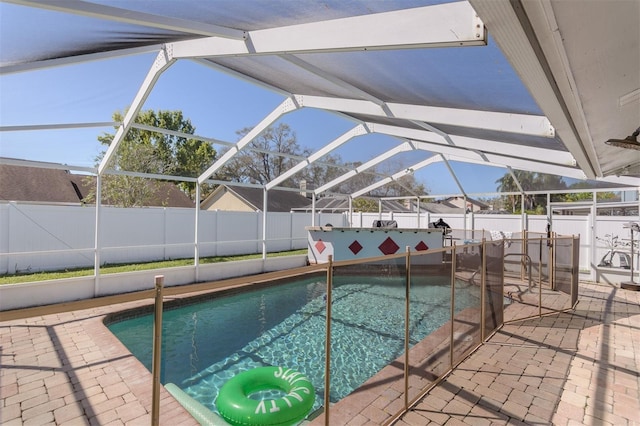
column 397, row 301
column 432, row 315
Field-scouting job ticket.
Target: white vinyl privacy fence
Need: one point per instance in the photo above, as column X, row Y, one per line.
column 596, row 234
column 48, row 237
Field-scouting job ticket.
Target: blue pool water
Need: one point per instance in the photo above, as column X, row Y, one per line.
column 207, row 343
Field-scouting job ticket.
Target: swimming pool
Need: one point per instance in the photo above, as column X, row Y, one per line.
column 207, row 343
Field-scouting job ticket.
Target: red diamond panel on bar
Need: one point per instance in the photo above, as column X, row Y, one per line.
column 422, row 246
column 320, row 246
column 355, row 247
column 388, row 246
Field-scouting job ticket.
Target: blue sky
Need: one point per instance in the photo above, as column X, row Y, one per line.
column 217, row 104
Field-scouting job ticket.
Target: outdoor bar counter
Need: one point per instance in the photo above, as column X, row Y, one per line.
column 358, row 243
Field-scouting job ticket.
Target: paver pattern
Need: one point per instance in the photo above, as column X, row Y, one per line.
column 68, row 369
column 577, row 368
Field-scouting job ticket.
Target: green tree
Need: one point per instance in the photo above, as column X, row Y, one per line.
column 362, row 180
column 588, row 195
column 366, row 205
column 147, row 151
column 261, row 167
column 507, row 184
column 549, row 182
column 257, row 166
column 406, row 185
column 403, row 186
column 356, row 182
column 317, row 174
column 530, row 181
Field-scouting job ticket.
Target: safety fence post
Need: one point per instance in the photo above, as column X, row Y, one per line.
column 327, row 344
column 406, row 326
column 157, row 349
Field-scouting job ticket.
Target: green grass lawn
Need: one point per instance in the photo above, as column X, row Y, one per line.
column 130, row 267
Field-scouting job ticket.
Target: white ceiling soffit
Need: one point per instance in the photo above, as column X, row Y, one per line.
column 578, row 62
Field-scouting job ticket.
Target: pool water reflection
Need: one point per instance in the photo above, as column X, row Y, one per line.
column 207, row 343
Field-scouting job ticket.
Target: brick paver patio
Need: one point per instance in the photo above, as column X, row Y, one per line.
column 579, row 368
column 566, row 369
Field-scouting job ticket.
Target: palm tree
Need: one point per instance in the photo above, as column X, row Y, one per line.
column 527, row 181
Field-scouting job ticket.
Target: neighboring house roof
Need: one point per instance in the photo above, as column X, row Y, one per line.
column 166, row 194
column 253, row 199
column 441, row 208
column 473, row 201
column 339, row 204
column 19, row 183
column 43, row 185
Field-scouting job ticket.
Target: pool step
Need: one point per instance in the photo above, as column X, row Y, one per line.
column 202, row 414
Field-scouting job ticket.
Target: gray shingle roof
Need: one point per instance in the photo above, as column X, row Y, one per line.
column 338, row 204
column 277, row 200
column 42, row 185
column 19, row 183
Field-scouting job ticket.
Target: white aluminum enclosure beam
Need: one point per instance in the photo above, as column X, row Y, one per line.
column 356, row 91
column 546, row 80
column 239, row 75
column 433, row 129
column 474, row 144
column 285, row 107
column 406, row 146
column 534, row 125
column 515, row 179
column 531, row 166
column 397, row 176
column 31, row 127
column 453, row 175
column 128, row 16
column 455, row 153
column 452, row 24
column 220, row 142
column 180, row 134
column 149, row 175
column 69, row 60
column 471, row 157
column 163, row 61
column 621, row 180
column 490, row 159
column 477, row 145
column 359, row 130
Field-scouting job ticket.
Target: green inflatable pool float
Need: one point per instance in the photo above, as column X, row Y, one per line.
column 235, row 405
